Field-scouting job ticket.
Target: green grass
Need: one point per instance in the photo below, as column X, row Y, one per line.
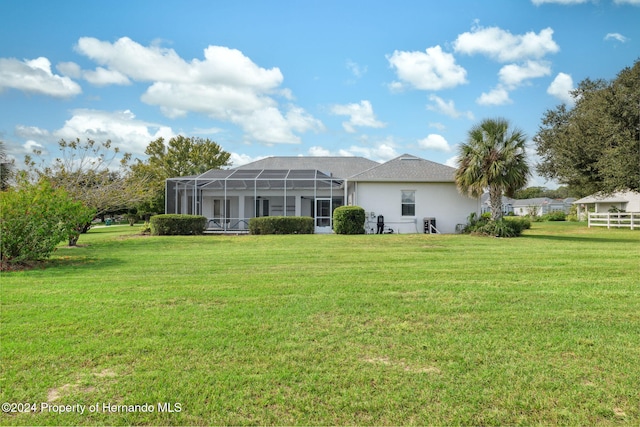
column 330, row 330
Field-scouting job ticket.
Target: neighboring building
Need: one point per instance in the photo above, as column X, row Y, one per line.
column 624, row 201
column 404, row 190
column 540, row 206
column 522, row 207
column 507, row 204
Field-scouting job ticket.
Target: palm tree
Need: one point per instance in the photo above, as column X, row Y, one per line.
column 493, row 157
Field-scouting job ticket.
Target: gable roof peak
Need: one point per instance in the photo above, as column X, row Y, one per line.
column 408, row 168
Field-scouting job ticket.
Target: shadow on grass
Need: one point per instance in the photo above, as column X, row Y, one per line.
column 578, row 239
column 91, row 262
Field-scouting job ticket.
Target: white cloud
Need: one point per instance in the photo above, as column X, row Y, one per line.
column 429, row 70
column 616, row 36
column 447, row 108
column 31, row 146
column 102, row 77
column 513, row 75
column 99, row 77
column 31, row 132
column 452, row 161
column 379, row 151
column 434, row 142
column 242, row 159
column 497, row 96
column 631, row 2
column 503, row 46
column 360, row 115
column 357, row 70
column 270, row 126
column 561, row 88
column 35, row 76
column 437, row 125
column 70, row 69
column 121, row 127
column 225, row 85
column 318, row 151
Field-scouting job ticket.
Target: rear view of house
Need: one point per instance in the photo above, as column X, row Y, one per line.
column 404, row 191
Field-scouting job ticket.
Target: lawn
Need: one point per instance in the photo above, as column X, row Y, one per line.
column 327, row 330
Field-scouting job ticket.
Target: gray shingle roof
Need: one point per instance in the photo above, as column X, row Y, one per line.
column 407, row 168
column 338, row 167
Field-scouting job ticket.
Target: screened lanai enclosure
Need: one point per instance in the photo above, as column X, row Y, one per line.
column 229, row 198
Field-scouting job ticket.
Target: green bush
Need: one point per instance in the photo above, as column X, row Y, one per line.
column 281, row 225
column 348, row 220
column 521, row 221
column 554, row 216
column 502, row 228
column 573, row 214
column 177, row 225
column 34, row 218
column 506, row 227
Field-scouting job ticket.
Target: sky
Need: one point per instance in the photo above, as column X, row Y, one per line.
column 299, row 78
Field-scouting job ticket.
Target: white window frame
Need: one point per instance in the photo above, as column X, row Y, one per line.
column 404, row 203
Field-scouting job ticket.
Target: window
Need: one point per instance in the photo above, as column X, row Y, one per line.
column 408, row 203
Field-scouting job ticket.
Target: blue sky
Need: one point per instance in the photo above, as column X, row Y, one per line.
column 261, row 78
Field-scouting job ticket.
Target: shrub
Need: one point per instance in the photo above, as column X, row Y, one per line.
column 474, row 222
column 506, row 227
column 281, row 225
column 554, row 216
column 34, row 218
column 348, row 220
column 523, row 222
column 502, row 228
column 573, row 214
column 177, row 225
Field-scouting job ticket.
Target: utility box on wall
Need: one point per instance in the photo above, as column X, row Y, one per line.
column 429, row 225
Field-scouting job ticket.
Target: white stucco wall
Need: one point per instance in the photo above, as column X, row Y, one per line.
column 437, row 200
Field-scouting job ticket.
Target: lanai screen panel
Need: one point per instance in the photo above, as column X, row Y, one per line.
column 255, row 180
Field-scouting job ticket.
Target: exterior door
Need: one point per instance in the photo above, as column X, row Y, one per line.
column 323, row 216
column 221, row 212
column 262, row 207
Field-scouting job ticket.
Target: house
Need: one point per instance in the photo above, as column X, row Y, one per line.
column 540, row 206
column 405, row 191
column 507, row 204
column 624, row 201
column 522, row 207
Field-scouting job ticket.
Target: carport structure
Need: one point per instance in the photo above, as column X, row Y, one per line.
column 229, row 198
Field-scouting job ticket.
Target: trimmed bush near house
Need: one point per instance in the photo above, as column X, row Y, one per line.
column 348, row 220
column 177, row 225
column 281, row 225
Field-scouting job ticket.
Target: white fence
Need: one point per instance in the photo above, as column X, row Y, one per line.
column 615, row 219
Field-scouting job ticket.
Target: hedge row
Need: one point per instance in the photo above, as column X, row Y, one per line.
column 281, row 225
column 177, row 225
column 348, row 220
